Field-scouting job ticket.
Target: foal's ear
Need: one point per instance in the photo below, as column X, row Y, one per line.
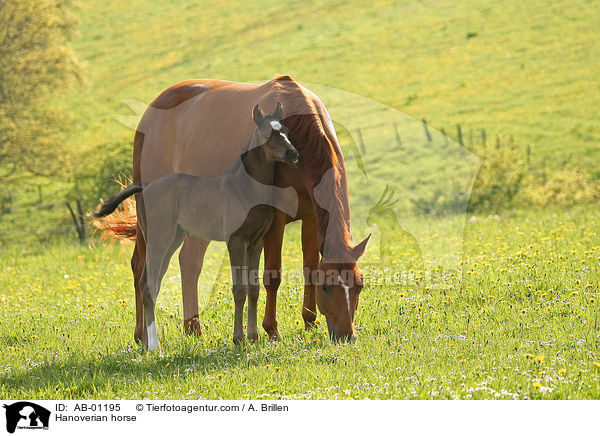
column 257, row 114
column 278, row 114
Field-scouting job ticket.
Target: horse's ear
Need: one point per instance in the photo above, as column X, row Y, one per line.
column 360, row 249
column 257, row 114
column 278, row 114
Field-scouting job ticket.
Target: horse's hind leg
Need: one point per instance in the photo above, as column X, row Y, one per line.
column 253, row 289
column 137, row 266
column 239, row 276
column 191, row 258
column 150, row 292
column 144, row 295
column 158, row 254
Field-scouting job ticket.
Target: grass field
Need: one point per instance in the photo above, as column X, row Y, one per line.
column 520, row 69
column 524, row 324
column 526, row 69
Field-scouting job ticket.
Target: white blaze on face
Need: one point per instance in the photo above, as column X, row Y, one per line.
column 346, row 291
column 285, row 137
column 276, row 125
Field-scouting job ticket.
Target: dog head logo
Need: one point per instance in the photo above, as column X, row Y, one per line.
column 26, row 415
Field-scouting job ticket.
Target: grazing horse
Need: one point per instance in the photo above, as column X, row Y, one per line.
column 199, row 127
column 235, row 207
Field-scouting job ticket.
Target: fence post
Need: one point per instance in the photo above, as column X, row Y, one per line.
column 443, row 131
column 427, row 134
column 459, row 134
column 398, row 139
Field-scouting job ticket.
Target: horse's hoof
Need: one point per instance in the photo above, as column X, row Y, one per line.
column 138, row 335
column 309, row 325
column 274, row 335
column 192, row 326
column 238, row 340
column 272, row 331
column 253, row 337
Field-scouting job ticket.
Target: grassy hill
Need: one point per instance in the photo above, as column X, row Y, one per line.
column 525, row 70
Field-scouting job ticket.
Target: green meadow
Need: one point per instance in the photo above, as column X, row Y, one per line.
column 522, row 324
column 516, row 318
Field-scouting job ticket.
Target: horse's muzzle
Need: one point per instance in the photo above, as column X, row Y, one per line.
column 339, row 338
column 292, row 158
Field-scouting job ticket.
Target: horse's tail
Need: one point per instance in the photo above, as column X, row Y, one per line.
column 122, row 222
column 109, row 206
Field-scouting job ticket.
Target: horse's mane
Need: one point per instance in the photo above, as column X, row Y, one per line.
column 317, row 153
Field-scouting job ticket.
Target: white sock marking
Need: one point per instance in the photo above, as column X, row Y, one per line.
column 152, row 337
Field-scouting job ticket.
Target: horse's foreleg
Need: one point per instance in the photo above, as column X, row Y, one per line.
column 137, row 266
column 273, row 240
column 191, row 258
column 310, row 252
column 253, row 289
column 239, row 277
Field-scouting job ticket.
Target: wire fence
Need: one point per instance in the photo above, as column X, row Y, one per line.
column 431, row 197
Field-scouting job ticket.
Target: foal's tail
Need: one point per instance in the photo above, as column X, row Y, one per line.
column 108, row 207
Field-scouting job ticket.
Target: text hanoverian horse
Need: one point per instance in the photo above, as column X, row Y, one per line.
column 236, row 207
column 199, row 127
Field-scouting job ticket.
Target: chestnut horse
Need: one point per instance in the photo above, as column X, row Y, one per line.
column 199, row 127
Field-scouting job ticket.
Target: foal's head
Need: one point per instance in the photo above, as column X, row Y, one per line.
column 277, row 146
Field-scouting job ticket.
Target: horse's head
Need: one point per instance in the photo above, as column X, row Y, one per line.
column 277, row 146
column 338, row 288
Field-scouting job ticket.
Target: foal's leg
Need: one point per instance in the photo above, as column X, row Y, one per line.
column 149, row 288
column 310, row 252
column 191, row 258
column 239, row 275
column 161, row 247
column 143, row 287
column 273, row 240
column 253, row 289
